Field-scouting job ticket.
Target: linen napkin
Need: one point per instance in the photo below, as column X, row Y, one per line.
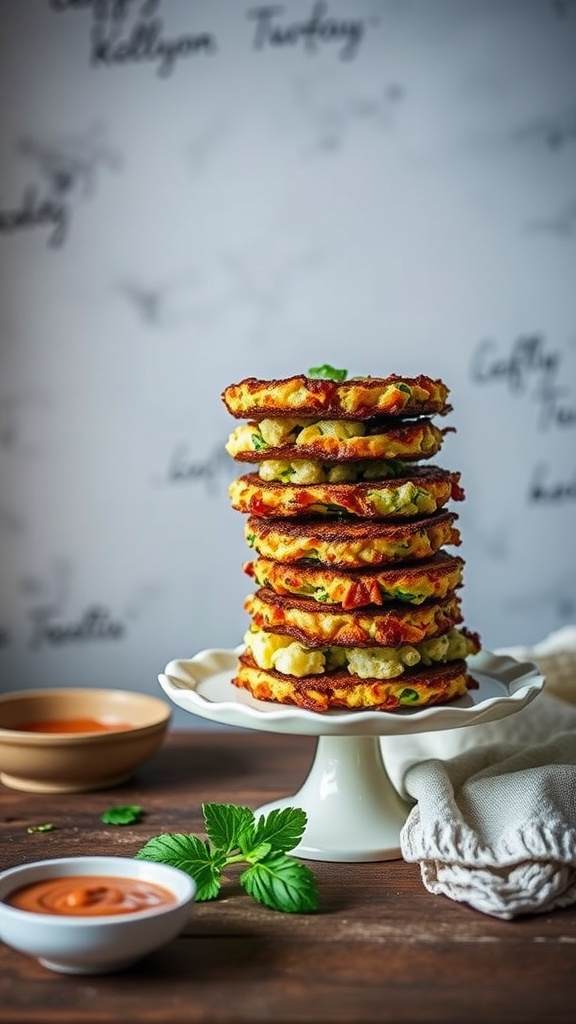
column 494, row 823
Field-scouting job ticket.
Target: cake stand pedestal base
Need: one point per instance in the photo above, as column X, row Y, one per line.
column 354, row 813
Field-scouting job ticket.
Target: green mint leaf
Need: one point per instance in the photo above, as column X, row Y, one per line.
column 121, row 815
column 40, row 828
column 190, row 854
column 281, row 883
column 227, row 825
column 234, row 836
column 327, row 372
column 257, row 853
column 282, row 828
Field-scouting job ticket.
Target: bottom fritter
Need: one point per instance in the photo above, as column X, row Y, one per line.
column 337, row 690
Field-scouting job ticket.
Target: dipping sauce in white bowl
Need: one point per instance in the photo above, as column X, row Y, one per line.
column 92, row 915
column 90, row 896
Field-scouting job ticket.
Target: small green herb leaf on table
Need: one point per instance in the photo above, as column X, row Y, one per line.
column 122, row 815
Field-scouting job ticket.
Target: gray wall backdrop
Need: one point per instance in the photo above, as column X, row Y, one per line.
column 193, row 192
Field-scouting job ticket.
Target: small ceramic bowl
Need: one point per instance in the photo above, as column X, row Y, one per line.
column 116, row 731
column 94, row 945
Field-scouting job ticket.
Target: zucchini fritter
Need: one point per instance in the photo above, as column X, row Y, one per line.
column 338, row 440
column 292, row 658
column 391, row 624
column 424, row 491
column 351, row 543
column 439, row 684
column 412, row 584
column 356, row 398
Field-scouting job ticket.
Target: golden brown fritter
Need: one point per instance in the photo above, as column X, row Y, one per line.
column 424, row 491
column 391, row 624
column 337, row 690
column 351, row 543
column 357, row 398
column 329, row 440
column 293, row 658
column 412, row 584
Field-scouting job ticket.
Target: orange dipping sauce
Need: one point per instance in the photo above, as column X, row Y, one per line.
column 90, row 896
column 72, row 725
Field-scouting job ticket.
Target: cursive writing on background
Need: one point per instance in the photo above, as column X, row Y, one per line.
column 318, row 30
column 66, row 168
column 127, row 32
column 544, row 489
column 527, row 359
column 185, row 469
column 146, row 42
column 533, row 370
column 47, row 598
column 557, row 406
column 94, row 624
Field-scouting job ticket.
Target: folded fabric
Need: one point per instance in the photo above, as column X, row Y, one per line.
column 494, row 820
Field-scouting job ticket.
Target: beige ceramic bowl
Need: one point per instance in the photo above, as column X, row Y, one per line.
column 75, row 762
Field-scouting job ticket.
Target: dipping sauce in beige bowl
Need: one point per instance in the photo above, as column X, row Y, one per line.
column 74, row 740
column 74, row 725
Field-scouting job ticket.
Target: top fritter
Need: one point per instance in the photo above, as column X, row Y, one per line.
column 356, row 398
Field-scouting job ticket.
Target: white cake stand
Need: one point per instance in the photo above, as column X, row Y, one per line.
column 354, row 813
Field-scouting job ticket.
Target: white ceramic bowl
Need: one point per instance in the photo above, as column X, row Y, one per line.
column 93, row 945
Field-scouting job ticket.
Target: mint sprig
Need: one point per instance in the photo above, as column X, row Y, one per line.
column 234, row 836
column 327, row 372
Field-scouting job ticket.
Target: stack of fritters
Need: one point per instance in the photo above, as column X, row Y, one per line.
column 357, row 603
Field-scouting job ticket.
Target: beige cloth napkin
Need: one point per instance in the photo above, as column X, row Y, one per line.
column 494, row 823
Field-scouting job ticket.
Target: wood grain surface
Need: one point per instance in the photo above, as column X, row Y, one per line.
column 380, row 948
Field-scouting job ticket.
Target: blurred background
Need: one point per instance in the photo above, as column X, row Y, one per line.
column 195, row 192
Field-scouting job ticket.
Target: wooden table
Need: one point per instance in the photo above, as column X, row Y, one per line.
column 380, row 948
